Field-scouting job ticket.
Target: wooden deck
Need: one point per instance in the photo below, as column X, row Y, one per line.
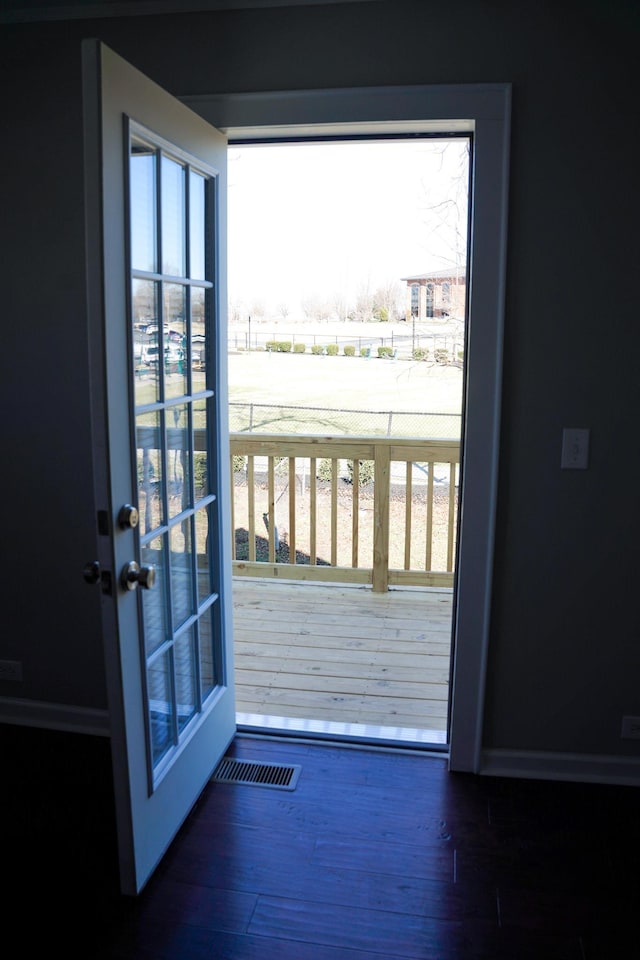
column 343, row 659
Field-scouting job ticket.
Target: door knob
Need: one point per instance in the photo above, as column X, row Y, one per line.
column 134, row 574
column 91, row 572
column 128, row 516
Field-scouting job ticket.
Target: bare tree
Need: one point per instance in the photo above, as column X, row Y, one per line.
column 340, row 306
column 235, row 311
column 316, row 308
column 387, row 300
column 446, row 218
column 257, row 309
column 364, row 303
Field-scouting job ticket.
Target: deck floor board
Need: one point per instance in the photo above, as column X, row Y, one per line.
column 339, row 654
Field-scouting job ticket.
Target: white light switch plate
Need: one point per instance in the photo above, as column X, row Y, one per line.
column 575, row 448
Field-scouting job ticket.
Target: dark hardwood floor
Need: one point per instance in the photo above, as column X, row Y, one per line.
column 373, row 855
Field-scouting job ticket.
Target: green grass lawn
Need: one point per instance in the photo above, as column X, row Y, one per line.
column 347, row 382
column 332, row 388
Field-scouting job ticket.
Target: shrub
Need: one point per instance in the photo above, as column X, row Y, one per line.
column 284, row 346
column 441, row 356
column 385, row 352
column 324, row 470
column 420, row 353
column 365, row 351
column 271, row 346
column 200, row 469
column 349, row 350
column 299, row 347
column 366, row 472
column 239, row 462
column 317, row 349
column 332, row 349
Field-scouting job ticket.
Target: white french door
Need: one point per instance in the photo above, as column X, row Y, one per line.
column 155, row 193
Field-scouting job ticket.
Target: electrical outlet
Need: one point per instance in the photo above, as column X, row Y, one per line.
column 12, row 670
column 575, row 448
column 630, row 728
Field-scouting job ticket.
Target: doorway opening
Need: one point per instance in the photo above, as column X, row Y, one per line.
column 347, row 334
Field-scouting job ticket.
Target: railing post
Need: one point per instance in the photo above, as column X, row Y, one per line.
column 380, row 577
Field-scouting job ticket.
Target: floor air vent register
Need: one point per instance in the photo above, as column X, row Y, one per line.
column 278, row 776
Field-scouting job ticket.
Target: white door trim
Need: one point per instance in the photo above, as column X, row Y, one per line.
column 484, row 110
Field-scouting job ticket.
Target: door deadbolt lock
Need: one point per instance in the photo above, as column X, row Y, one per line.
column 128, row 517
column 133, row 575
column 91, row 572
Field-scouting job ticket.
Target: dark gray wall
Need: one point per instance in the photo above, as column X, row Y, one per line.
column 565, row 636
column 51, row 617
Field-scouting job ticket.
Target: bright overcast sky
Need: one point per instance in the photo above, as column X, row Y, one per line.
column 324, row 220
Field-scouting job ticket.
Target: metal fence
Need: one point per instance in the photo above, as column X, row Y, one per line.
column 403, row 343
column 273, row 418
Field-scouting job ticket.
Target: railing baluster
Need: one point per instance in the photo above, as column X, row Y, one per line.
column 292, row 509
column 408, row 503
column 334, row 512
column 429, row 524
column 313, row 515
column 451, row 521
column 251, row 507
column 271, row 487
column 233, row 511
column 355, row 516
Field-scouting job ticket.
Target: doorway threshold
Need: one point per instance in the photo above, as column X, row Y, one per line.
column 357, row 733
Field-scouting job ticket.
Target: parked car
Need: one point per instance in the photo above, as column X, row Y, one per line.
column 150, row 354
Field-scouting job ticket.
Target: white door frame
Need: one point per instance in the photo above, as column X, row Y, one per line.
column 484, row 110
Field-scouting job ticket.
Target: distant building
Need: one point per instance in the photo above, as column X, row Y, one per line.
column 438, row 294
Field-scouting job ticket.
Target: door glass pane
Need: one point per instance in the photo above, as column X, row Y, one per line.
column 173, row 218
column 150, row 472
column 154, row 607
column 175, row 367
column 205, row 585
column 198, row 340
column 145, row 336
column 143, row 207
column 182, row 593
column 196, row 225
column 208, row 652
column 185, row 676
column 151, row 368
column 201, row 456
column 179, row 456
column 160, row 706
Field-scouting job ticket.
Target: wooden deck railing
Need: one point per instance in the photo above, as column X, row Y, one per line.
column 288, row 522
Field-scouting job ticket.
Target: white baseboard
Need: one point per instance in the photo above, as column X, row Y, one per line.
column 54, row 716
column 541, row 765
